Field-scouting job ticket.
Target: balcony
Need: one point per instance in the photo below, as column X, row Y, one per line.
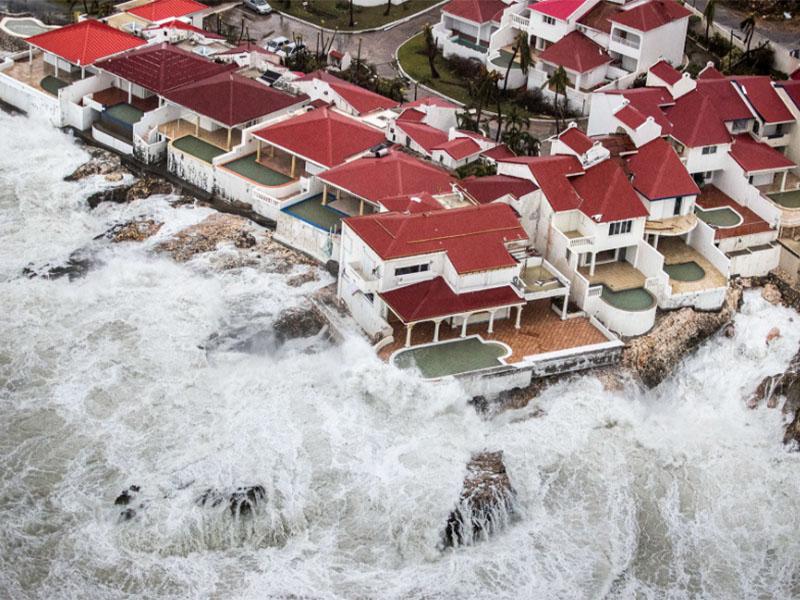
column 576, row 239
column 520, row 22
column 626, row 42
column 673, row 226
column 366, row 281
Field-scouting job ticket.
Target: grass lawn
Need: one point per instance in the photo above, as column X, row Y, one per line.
column 415, row 63
column 329, row 13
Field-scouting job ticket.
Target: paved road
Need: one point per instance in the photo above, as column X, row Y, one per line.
column 764, row 31
column 377, row 47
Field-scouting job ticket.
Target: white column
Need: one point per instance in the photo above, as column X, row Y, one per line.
column 578, row 81
column 491, row 321
column 56, row 67
column 30, row 55
column 130, row 92
column 564, row 308
column 594, row 259
column 436, row 330
column 464, row 326
column 783, row 181
column 518, row 324
column 83, row 72
column 409, row 327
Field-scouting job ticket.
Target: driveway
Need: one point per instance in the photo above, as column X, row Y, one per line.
column 377, row 47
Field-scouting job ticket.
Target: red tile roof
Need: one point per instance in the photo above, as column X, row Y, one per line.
column 86, row 42
column 490, row 188
column 726, row 100
column 411, row 114
column 430, row 101
column 764, row 99
column 231, row 99
column 602, row 191
column 576, row 140
column 599, row 17
column 160, row 10
column 659, row 173
column 411, row 203
column 710, row 72
column 695, row 121
column 246, row 47
column 434, row 298
column 426, row 136
column 616, row 143
column 182, row 25
column 477, row 11
column 651, row 102
column 560, row 9
column 631, row 116
column 361, row 99
column 473, row 237
column 754, row 156
column 390, row 176
column 651, row 15
column 459, row 148
column 499, row 152
column 323, row 135
column 162, row 67
column 666, row 72
column 792, row 89
column 576, row 52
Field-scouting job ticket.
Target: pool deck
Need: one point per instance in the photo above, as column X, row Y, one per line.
column 541, row 331
column 617, row 276
column 712, row 197
column 219, row 137
column 676, row 251
column 672, row 226
column 32, row 73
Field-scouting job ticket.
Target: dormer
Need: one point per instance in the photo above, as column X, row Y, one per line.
column 573, row 142
column 664, row 75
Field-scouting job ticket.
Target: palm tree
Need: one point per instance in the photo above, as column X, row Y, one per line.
column 466, row 120
column 388, row 8
column 749, row 28
column 558, row 82
column 708, row 15
column 514, row 120
column 430, row 49
column 352, row 22
column 485, row 84
column 520, row 46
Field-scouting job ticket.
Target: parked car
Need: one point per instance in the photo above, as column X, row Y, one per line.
column 291, row 49
column 276, row 43
column 262, row 7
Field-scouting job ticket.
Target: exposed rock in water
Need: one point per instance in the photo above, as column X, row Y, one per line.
column 137, row 230
column 77, row 265
column 786, row 384
column 141, row 188
column 298, row 322
column 242, row 501
column 242, row 339
column 127, row 514
column 771, row 294
column 207, row 235
column 102, row 162
column 653, row 356
column 773, row 334
column 126, row 496
column 332, row 267
column 486, row 503
column 301, row 278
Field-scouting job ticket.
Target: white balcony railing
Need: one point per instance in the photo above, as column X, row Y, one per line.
column 520, row 22
column 626, row 42
column 366, row 281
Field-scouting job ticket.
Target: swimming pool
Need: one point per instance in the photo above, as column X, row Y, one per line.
column 634, row 299
column 719, row 217
column 688, row 271
column 451, row 358
column 786, row 199
column 23, row 27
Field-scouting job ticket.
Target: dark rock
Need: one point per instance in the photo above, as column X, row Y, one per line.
column 786, row 384
column 729, row 330
column 148, row 186
column 242, row 339
column 242, row 501
column 137, row 230
column 245, row 240
column 134, row 488
column 127, row 514
column 298, row 322
column 102, row 162
column 77, row 265
column 486, row 503
column 123, row 499
column 654, row 355
column 118, row 195
column 332, row 267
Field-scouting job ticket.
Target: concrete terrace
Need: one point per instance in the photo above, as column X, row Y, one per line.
column 180, row 128
column 617, row 276
column 677, row 252
column 712, row 197
column 33, row 73
column 542, row 330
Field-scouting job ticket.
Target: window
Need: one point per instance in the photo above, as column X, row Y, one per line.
column 569, row 254
column 620, row 227
column 548, row 20
column 412, row 269
column 370, row 298
column 709, row 149
column 678, row 205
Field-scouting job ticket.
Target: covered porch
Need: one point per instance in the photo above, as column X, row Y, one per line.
column 282, row 161
column 41, row 75
column 223, row 138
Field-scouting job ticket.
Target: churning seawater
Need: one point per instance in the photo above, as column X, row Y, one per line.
column 678, row 492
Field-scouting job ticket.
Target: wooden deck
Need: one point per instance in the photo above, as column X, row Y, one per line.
column 617, row 276
column 675, row 252
column 672, row 226
column 541, row 331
